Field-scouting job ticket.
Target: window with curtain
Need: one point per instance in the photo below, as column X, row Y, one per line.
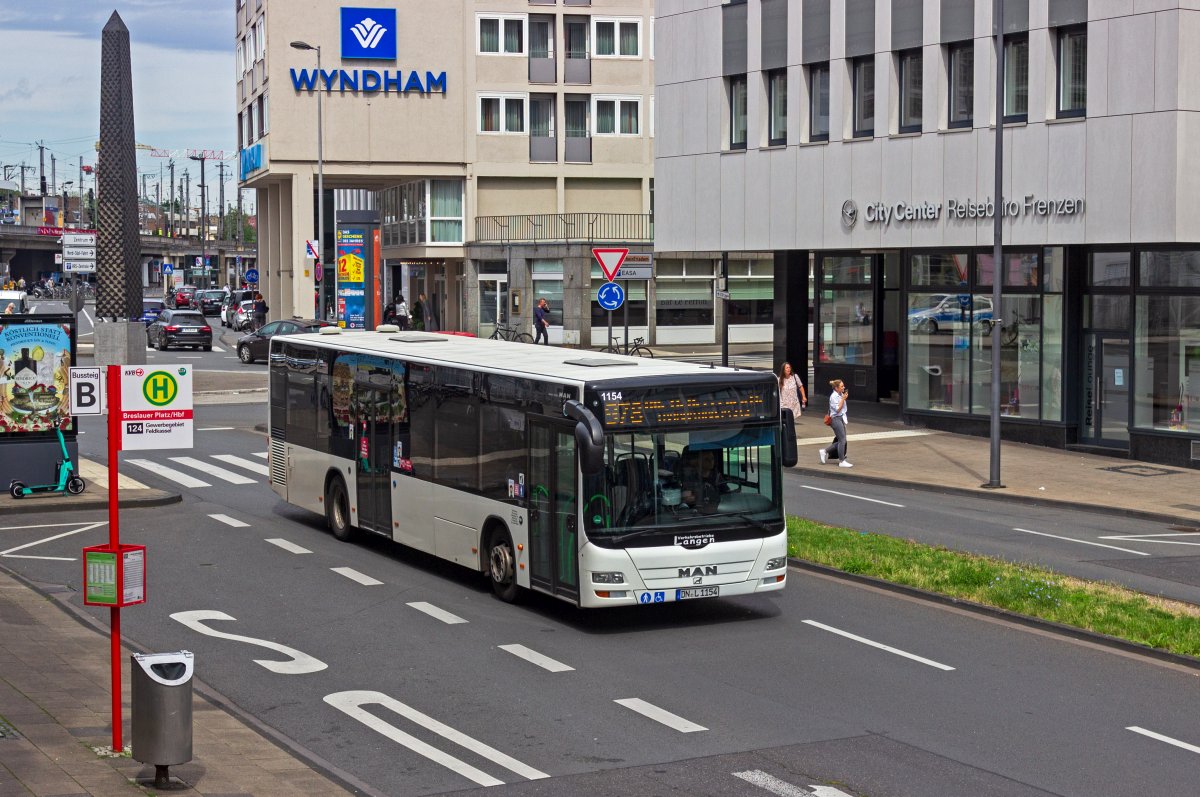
column 606, row 117
column 575, row 32
column 489, row 35
column 961, row 64
column 262, row 115
column 446, row 211
column 514, row 115
column 541, row 37
column 575, row 112
column 541, row 117
column 514, row 36
column 501, row 34
column 1072, row 72
column 737, row 112
column 629, row 117
column 912, row 98
column 606, row 38
column 502, row 114
column 1016, row 78
column 777, row 102
column 618, row 38
column 818, row 102
column 261, row 27
column 631, row 39
column 864, row 96
column 489, row 114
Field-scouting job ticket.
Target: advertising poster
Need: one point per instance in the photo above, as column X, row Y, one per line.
column 351, row 251
column 35, row 362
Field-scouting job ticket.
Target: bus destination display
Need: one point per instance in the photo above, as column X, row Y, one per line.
column 674, row 407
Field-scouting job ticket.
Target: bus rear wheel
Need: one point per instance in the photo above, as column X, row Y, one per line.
column 502, row 565
column 337, row 510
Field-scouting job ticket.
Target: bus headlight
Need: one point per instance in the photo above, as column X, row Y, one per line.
column 608, row 578
column 778, row 563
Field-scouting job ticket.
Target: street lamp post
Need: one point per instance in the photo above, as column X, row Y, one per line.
column 299, row 45
column 203, row 222
column 993, row 481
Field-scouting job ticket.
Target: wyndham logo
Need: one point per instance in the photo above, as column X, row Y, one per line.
column 369, row 33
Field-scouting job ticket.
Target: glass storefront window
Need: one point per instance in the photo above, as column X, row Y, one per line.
column 847, row 334
column 1053, row 268
column 938, row 355
column 1170, row 269
column 1167, row 362
column 751, row 291
column 1020, row 358
column 846, row 270
column 1108, row 312
column 1052, row 358
column 1022, row 270
column 1108, row 269
column 939, row 271
column 683, row 302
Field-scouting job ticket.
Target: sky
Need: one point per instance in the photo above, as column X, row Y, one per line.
column 182, row 54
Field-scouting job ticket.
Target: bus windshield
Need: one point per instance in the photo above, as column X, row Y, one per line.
column 703, row 479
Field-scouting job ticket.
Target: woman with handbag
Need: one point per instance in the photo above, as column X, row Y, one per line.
column 837, row 419
column 791, row 390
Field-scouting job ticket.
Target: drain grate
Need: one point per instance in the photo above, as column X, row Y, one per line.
column 7, row 731
column 1142, row 470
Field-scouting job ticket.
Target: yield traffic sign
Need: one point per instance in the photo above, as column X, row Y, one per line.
column 610, row 261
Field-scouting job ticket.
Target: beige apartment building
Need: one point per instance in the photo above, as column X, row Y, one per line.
column 498, row 140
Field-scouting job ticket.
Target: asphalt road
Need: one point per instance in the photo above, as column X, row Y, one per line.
column 405, row 673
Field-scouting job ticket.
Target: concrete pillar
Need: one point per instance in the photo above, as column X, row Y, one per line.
column 302, row 222
column 262, row 202
column 275, row 264
column 286, row 306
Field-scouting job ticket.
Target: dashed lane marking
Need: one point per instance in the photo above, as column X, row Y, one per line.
column 290, row 547
column 879, row 645
column 439, row 614
column 1151, row 734
column 657, row 714
column 532, row 656
column 230, row 521
column 848, row 495
column 354, row 575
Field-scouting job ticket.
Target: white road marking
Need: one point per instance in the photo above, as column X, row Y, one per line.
column 300, row 664
column 532, row 656
column 290, row 547
column 848, row 495
column 218, row 348
column 88, row 317
column 216, row 429
column 190, row 357
column 824, row 441
column 212, row 470
column 440, row 614
column 879, row 645
column 354, row 575
column 657, row 714
column 30, row 556
column 262, row 454
column 88, row 527
column 1082, row 542
column 1190, row 747
column 230, row 521
column 179, row 477
column 756, row 777
column 1156, row 538
column 352, row 702
column 254, row 467
column 37, row 526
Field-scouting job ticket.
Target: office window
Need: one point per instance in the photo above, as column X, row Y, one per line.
column 502, row 113
column 251, row 48
column 262, row 115
column 818, row 102
column 911, row 91
column 616, row 116
column 501, row 34
column 618, row 38
column 241, row 131
column 1016, row 78
column 1072, row 72
column 241, row 59
column 961, row 64
column 777, row 104
column 737, row 112
column 253, row 119
column 864, row 96
column 261, row 29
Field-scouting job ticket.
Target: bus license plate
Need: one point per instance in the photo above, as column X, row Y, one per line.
column 698, row 592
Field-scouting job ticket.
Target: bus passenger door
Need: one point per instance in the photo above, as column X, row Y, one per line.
column 373, row 452
column 553, row 508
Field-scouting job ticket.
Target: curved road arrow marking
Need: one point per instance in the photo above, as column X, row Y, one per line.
column 352, row 702
column 301, row 663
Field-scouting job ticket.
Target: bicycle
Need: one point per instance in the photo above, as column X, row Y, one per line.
column 510, row 333
column 637, row 348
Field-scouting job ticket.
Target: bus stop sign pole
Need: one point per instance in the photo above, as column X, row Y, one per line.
column 114, row 542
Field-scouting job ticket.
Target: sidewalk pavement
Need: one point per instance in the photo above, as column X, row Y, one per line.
column 56, row 712
column 133, row 494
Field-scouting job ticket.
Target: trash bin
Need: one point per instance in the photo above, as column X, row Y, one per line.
column 161, row 695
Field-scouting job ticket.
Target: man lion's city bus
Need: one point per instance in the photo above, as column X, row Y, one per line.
column 600, row 479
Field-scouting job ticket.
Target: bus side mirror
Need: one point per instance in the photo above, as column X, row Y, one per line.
column 788, row 447
column 589, row 436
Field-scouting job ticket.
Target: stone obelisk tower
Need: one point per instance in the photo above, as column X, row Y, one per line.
column 120, row 335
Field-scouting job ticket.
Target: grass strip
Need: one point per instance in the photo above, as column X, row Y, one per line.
column 1022, row 588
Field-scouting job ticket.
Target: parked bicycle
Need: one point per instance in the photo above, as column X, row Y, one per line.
column 511, row 333
column 637, row 348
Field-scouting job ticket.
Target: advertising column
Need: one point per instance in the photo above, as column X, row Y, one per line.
column 358, row 300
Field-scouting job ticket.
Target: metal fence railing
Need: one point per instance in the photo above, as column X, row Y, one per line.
column 564, row 227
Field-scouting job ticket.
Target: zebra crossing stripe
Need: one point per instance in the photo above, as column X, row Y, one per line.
column 213, row 470
column 218, row 349
column 262, row 454
column 170, row 474
column 230, row 521
column 253, row 467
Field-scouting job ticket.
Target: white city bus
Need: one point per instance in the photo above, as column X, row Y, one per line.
column 600, row 479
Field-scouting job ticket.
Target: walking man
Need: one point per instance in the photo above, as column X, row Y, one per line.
column 541, row 322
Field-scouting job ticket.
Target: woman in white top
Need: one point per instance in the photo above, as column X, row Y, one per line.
column 837, row 413
column 791, row 390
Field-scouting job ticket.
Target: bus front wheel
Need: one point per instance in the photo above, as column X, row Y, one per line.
column 502, row 565
column 337, row 510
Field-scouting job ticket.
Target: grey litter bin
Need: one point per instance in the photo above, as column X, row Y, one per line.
column 161, row 695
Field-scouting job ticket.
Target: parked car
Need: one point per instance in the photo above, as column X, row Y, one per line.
column 179, row 328
column 946, row 312
column 209, row 302
column 16, row 298
column 243, row 316
column 151, row 308
column 230, row 305
column 257, row 344
column 182, row 298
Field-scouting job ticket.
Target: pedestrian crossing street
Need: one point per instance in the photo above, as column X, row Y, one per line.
column 208, row 471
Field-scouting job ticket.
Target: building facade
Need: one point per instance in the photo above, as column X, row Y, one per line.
column 498, row 140
column 854, row 139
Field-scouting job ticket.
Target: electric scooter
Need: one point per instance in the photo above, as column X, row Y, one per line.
column 68, row 478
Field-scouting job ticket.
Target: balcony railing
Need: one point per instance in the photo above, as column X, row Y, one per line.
column 564, row 227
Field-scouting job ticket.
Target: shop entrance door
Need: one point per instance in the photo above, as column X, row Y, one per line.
column 1106, row 374
column 553, row 508
column 373, row 448
column 493, row 303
